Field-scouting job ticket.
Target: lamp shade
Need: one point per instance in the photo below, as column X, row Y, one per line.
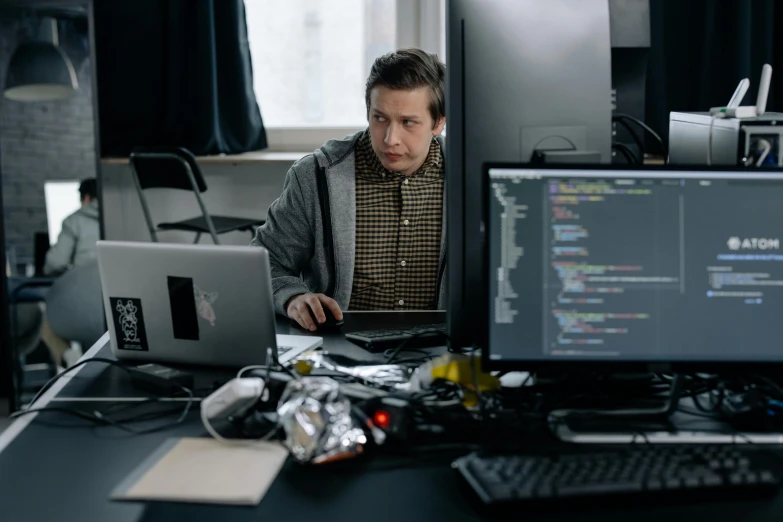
column 40, row 71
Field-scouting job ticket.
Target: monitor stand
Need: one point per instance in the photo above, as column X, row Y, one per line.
column 664, row 425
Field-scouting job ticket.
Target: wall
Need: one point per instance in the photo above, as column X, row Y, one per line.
column 42, row 141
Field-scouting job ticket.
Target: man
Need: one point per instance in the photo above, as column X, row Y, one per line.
column 359, row 224
column 76, row 244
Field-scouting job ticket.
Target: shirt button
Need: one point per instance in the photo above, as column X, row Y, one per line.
column 400, row 302
column 406, row 222
column 406, row 181
column 402, row 263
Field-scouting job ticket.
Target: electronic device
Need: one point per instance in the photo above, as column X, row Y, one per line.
column 62, row 200
column 732, row 135
column 506, row 97
column 41, row 246
column 194, row 304
column 629, row 25
column 651, row 473
column 735, row 110
column 658, row 270
column 761, row 99
column 234, row 398
column 739, row 93
column 331, row 324
column 698, row 138
column 157, row 378
column 420, row 336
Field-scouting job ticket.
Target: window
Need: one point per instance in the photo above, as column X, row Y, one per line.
column 311, row 59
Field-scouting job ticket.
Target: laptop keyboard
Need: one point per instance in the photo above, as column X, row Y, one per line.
column 283, row 349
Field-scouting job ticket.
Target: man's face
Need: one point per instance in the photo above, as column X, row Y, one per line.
column 401, row 127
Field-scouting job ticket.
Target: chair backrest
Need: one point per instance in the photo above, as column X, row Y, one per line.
column 74, row 305
column 166, row 167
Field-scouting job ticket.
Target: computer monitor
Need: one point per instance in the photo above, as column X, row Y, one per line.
column 666, row 269
column 62, row 200
column 523, row 75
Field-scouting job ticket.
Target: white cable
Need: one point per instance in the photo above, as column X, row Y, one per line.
column 252, row 367
column 233, row 442
column 767, row 148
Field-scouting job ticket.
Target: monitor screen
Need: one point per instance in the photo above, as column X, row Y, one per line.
column 62, row 200
column 634, row 265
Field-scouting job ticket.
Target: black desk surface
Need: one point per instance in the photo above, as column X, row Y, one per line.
column 51, row 472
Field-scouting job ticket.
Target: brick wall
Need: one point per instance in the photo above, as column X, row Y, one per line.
column 42, row 141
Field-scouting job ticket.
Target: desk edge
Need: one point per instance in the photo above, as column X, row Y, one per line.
column 16, row 427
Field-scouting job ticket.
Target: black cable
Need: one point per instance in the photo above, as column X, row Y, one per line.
column 644, row 126
column 57, row 377
column 627, row 153
column 406, row 342
column 97, row 416
column 635, row 137
column 542, row 140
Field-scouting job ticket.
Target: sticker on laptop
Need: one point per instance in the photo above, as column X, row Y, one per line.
column 204, row 302
column 129, row 323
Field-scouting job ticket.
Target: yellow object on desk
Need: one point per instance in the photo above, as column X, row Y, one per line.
column 464, row 370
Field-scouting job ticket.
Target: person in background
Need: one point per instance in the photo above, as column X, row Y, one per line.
column 75, row 251
column 76, row 244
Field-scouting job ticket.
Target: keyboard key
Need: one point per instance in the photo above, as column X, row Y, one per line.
column 601, row 488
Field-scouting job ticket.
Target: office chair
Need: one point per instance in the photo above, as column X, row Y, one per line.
column 74, row 305
column 176, row 168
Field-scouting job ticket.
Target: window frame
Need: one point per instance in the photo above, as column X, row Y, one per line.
column 418, row 25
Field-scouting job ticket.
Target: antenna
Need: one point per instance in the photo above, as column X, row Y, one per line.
column 766, row 79
column 739, row 93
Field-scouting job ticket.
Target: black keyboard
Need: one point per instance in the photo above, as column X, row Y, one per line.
column 420, row 336
column 644, row 471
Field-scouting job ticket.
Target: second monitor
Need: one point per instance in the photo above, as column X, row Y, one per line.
column 663, row 267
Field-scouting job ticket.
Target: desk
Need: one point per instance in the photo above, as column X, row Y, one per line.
column 66, row 474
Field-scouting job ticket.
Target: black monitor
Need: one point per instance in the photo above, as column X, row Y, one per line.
column 667, row 269
column 523, row 76
column 40, row 248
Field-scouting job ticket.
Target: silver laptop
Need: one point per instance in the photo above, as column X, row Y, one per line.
column 193, row 304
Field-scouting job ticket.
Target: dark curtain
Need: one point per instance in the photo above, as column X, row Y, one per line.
column 701, row 49
column 175, row 73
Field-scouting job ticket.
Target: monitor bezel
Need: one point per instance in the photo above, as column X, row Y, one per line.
column 567, row 365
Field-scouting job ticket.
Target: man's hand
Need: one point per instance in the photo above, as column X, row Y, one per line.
column 299, row 308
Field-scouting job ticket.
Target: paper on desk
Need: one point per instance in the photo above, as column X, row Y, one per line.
column 205, row 471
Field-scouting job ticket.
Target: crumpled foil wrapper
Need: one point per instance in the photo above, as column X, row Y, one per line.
column 317, row 421
column 389, row 375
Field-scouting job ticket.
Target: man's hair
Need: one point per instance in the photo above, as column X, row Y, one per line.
column 408, row 69
column 88, row 187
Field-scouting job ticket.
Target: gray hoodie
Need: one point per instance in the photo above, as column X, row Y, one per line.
column 306, row 256
column 76, row 243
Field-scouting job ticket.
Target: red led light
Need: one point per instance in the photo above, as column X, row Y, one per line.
column 381, row 419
